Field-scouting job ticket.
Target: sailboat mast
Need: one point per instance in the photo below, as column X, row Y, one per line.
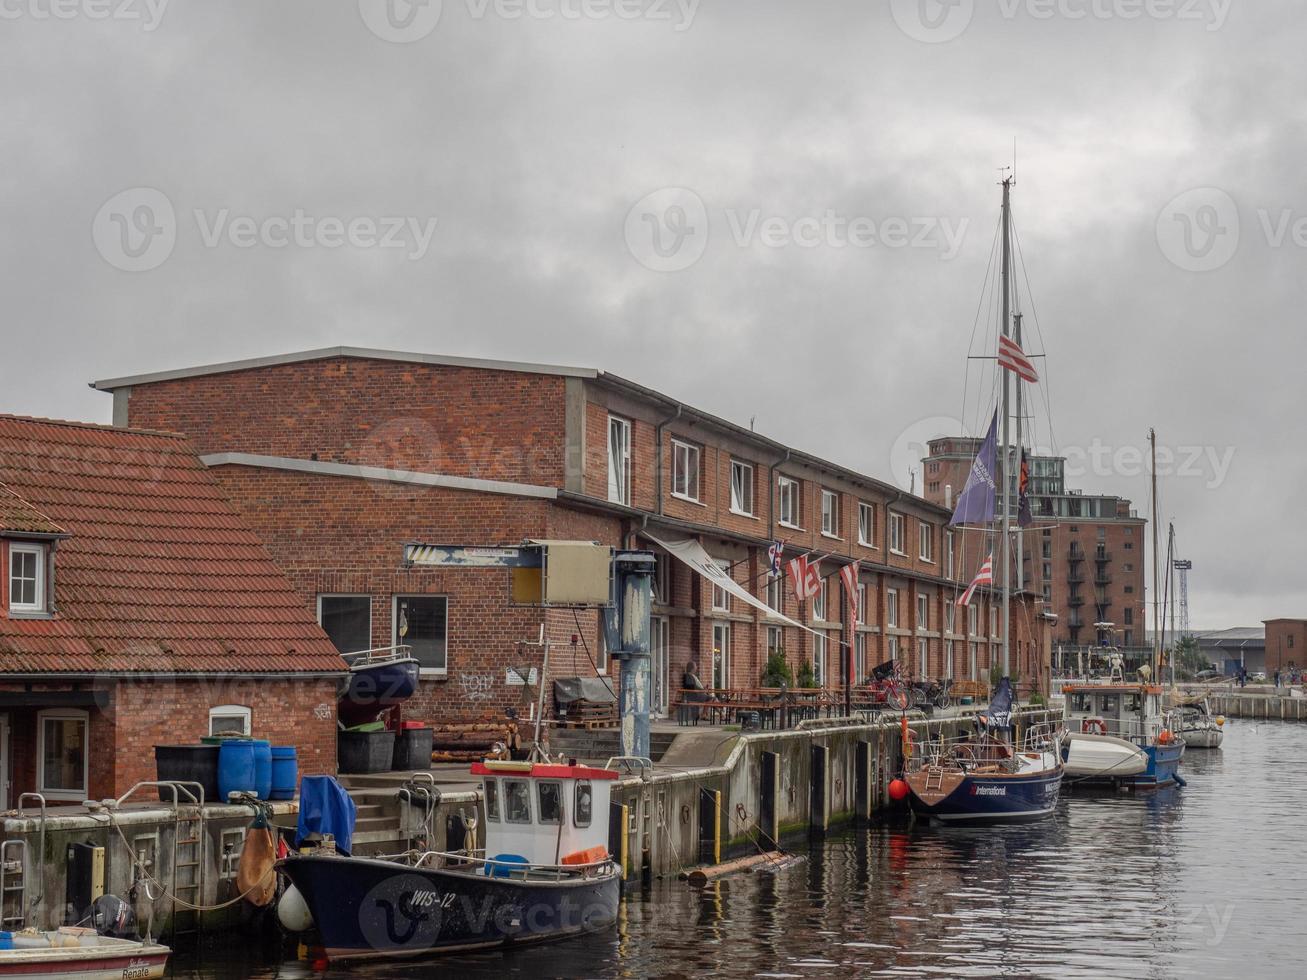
column 1005, row 525
column 1170, row 593
column 1157, row 565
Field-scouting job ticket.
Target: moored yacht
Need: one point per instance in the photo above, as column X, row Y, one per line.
column 1118, row 735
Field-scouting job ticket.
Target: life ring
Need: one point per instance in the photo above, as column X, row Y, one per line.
column 1094, row 726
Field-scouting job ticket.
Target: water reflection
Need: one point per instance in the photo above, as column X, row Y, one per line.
column 1196, row 881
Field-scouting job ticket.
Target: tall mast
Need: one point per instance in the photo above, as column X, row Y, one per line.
column 1005, row 525
column 1157, row 565
column 1170, row 593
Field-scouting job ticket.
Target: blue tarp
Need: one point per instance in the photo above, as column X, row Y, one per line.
column 999, row 714
column 325, row 808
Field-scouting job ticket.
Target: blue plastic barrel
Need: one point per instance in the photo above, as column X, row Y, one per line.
column 285, row 772
column 263, row 768
column 236, row 770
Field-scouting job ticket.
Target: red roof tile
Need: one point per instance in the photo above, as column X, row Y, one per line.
column 158, row 572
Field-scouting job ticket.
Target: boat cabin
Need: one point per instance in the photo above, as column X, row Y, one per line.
column 545, row 815
column 1124, row 710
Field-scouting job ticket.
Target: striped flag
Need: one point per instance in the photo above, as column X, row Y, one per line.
column 806, row 576
column 849, row 573
column 774, row 558
column 983, row 577
column 1011, row 357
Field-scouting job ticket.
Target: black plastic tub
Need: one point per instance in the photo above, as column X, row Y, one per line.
column 187, row 764
column 413, row 749
column 359, row 752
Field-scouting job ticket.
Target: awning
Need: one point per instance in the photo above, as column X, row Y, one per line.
column 691, row 553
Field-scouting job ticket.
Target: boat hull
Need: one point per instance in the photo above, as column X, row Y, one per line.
column 374, row 687
column 1161, row 763
column 986, row 798
column 372, row 909
column 84, row 963
column 1201, row 738
column 1102, row 756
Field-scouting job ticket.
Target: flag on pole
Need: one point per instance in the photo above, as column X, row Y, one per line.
column 774, row 558
column 806, row 577
column 1024, row 516
column 1012, row 358
column 976, row 501
column 849, row 574
column 983, row 577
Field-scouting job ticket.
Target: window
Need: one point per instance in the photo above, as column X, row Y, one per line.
column 774, row 593
column 1129, row 546
column 685, row 471
column 492, row 800
column 721, row 656
column 517, row 801
column 721, row 599
column 1290, row 640
column 347, row 620
column 896, row 534
column 774, row 640
column 231, row 719
column 741, row 488
column 1130, row 617
column 830, row 513
column 27, row 577
column 866, row 525
column 787, row 494
column 923, row 612
column 551, row 802
column 973, row 656
column 821, row 601
column 973, row 620
column 662, row 580
column 860, row 614
column 923, row 658
column 993, row 622
column 819, row 659
column 859, row 658
column 420, row 622
column 949, row 553
column 950, row 617
column 948, row 660
column 62, row 738
column 926, row 537
column 584, row 810
column 619, row 460
column 892, row 647
column 891, row 607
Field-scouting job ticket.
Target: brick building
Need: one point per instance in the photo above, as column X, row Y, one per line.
column 340, row 456
column 136, row 609
column 1084, row 556
column 1286, row 644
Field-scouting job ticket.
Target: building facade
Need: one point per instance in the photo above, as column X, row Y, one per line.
column 1286, row 640
column 339, row 457
column 137, row 609
column 1084, row 556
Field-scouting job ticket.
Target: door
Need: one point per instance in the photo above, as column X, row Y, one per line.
column 659, row 677
column 721, row 656
column 4, row 762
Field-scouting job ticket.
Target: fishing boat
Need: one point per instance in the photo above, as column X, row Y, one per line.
column 986, row 777
column 72, row 952
column 1195, row 723
column 378, row 680
column 545, row 874
column 1118, row 735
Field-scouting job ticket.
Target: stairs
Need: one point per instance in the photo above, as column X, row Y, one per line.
column 601, row 745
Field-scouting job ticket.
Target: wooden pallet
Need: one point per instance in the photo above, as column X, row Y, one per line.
column 589, row 724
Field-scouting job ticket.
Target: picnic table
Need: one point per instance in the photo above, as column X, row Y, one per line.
column 776, row 707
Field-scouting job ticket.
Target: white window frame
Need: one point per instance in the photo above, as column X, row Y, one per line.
column 973, row 619
column 993, row 622
column 819, row 645
column 721, row 599
column 63, row 795
column 860, row 615
column 923, row 612
column 789, row 499
column 821, row 601
column 662, row 578
column 926, row 542
column 683, row 454
column 892, row 608
column 394, row 628
column 775, row 638
column 775, row 596
column 232, row 711
column 892, row 647
column 950, row 545
column 949, row 652
column 830, row 513
column 619, row 461
column 950, row 618
column 866, row 525
column 741, row 489
column 896, row 531
column 923, row 658
column 859, row 657
column 722, row 657
column 39, row 552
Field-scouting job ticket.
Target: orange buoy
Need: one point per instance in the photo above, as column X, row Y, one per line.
column 1164, row 737
column 898, row 790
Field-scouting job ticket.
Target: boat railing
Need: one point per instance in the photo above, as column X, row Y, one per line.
column 378, row 655
column 1041, row 737
column 960, row 752
column 456, row 860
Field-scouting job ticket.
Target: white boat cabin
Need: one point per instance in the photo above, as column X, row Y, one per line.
column 544, row 815
column 1124, row 710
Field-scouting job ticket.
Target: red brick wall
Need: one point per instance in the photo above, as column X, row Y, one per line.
column 471, row 422
column 1286, row 644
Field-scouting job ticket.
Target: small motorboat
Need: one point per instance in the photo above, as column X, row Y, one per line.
column 1118, row 735
column 545, row 874
column 986, row 778
column 378, row 680
column 1196, row 724
column 73, row 952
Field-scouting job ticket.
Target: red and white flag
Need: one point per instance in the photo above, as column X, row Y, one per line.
column 1012, row 358
column 983, row 577
column 806, row 576
column 849, row 573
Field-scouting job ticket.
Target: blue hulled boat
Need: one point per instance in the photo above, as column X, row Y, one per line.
column 1119, row 736
column 378, row 680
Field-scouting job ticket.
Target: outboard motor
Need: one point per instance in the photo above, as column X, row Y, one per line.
column 113, row 917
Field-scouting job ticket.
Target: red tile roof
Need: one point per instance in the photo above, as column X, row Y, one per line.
column 17, row 516
column 158, row 573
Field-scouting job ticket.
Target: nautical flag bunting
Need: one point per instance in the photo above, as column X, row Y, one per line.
column 983, row 577
column 1011, row 357
column 806, row 576
column 774, row 558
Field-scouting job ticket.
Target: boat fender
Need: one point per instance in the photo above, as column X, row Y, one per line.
column 1093, row 726
column 293, row 912
column 1180, row 780
column 255, row 878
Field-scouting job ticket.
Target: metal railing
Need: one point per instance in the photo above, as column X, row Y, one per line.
column 378, row 655
column 463, row 861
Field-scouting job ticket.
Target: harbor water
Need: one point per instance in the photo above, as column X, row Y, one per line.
column 1201, row 881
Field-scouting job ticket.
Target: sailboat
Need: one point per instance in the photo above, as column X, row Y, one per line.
column 987, row 776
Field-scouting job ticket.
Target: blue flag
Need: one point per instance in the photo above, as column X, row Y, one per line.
column 976, row 502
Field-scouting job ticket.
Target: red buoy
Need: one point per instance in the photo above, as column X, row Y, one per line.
column 898, row 790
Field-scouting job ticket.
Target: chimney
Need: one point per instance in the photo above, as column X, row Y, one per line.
column 948, row 495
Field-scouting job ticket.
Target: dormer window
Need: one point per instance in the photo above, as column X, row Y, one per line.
column 26, row 578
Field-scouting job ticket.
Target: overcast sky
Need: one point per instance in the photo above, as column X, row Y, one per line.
column 188, row 182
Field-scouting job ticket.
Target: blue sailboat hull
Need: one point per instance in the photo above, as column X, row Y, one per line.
column 994, row 798
column 374, row 687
